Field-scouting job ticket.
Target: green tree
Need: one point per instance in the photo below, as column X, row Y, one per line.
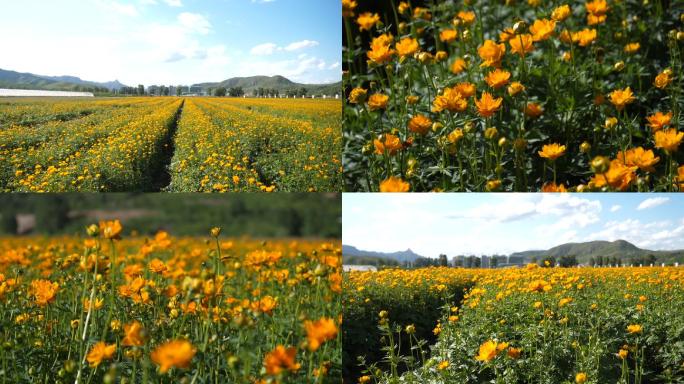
column 443, row 262
column 220, row 92
column 52, row 213
column 141, row 90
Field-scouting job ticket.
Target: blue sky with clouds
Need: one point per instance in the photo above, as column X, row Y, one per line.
column 472, row 223
column 173, row 41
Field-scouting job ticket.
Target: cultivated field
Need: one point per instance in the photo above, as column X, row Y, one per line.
column 527, row 325
column 99, row 309
column 513, row 96
column 170, row 144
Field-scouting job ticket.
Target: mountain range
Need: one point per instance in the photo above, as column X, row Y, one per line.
column 582, row 251
column 17, row 80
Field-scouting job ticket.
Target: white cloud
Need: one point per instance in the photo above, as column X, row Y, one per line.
column 334, row 65
column 297, row 45
column 653, row 202
column 173, row 3
column 652, row 235
column 195, row 22
column 123, row 9
column 264, row 49
column 615, row 208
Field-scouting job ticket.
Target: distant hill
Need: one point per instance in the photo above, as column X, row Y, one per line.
column 18, row 80
column 401, row 256
column 585, row 251
column 279, row 83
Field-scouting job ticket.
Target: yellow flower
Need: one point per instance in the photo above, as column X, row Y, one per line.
column 157, row 266
column 514, row 353
column 488, row 351
column 561, row 13
column 133, row 335
column 659, row 120
column 542, row 29
column 348, row 7
column 466, row 17
column 623, row 353
column 448, row 35
column 634, row 328
column 394, row 184
column 491, row 53
column 407, row 46
column 420, row 124
column 552, row 151
column 455, row 136
column 443, row 365
column 381, row 51
column 100, row 352
column 584, row 37
column 618, row 176
column 580, row 378
column 497, row 78
column 533, row 110
column 621, row 97
column 281, row 359
column 451, row 100
column 367, row 20
column 175, row 353
column 487, row 105
column 465, row 89
column 364, row 379
column 357, row 95
column 596, row 11
column 521, row 44
column 319, row 331
column 680, row 178
column 669, row 139
column 553, row 187
column 378, row 101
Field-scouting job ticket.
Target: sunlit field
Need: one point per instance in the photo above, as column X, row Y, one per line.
column 170, row 144
column 522, row 325
column 513, row 96
column 100, row 308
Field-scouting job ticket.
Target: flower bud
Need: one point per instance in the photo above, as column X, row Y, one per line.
column 600, row 164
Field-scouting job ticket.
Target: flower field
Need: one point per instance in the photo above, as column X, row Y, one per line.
column 513, row 96
column 170, row 144
column 102, row 309
column 525, row 325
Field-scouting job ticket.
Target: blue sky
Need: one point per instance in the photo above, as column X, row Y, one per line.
column 477, row 224
column 173, row 41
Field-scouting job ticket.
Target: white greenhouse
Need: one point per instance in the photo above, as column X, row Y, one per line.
column 32, row 93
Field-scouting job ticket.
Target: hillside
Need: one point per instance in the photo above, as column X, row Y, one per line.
column 401, row 256
column 18, row 80
column 279, row 83
column 585, row 251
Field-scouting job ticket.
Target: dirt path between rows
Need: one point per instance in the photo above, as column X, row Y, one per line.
column 162, row 175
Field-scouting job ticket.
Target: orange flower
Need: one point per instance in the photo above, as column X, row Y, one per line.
column 133, row 335
column 639, row 157
column 451, row 100
column 388, row 143
column 552, row 151
column 680, row 178
column 465, row 89
column 100, row 352
column 281, row 359
column 619, row 176
column 466, row 17
column 488, row 105
column 266, row 305
column 407, row 46
column 521, row 44
column 377, row 101
column 448, row 35
column 514, row 353
column 632, row 48
column 584, row 37
column 394, row 184
column 498, row 78
column 491, row 53
column 488, row 351
column 621, row 97
column 596, row 11
column 634, row 328
column 662, row 80
column 542, row 29
column 157, row 266
column 44, row 291
column 420, row 124
column 175, row 353
column 357, row 95
column 320, row 331
column 459, row 65
column 111, row 229
column 553, row 187
column 533, row 110
column 380, row 52
column 669, row 139
column 367, row 20
column 506, row 35
column 348, row 8
column 659, row 120
column 561, row 13
column 515, row 88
